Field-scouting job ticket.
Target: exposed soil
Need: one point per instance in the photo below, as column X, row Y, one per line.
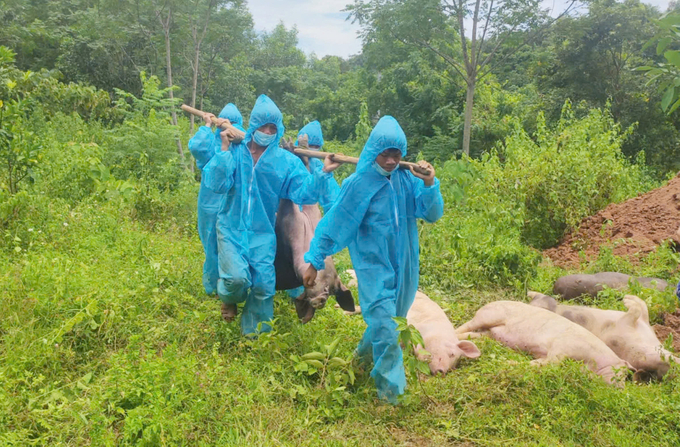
column 632, row 229
column 671, row 325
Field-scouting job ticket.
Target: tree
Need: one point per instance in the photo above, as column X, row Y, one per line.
column 198, row 15
column 164, row 15
column 436, row 26
column 591, row 59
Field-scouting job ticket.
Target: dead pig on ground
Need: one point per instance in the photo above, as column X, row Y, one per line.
column 628, row 334
column 547, row 336
column 572, row 286
column 439, row 336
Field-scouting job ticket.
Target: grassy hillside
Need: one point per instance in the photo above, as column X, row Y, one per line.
column 107, row 339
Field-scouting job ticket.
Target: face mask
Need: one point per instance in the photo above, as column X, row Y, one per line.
column 263, row 139
column 380, row 170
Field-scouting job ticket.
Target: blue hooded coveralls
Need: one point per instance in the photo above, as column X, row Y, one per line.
column 331, row 189
column 376, row 217
column 203, row 146
column 245, row 224
column 315, row 138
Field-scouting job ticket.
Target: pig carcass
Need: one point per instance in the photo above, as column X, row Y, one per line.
column 573, row 286
column 439, row 336
column 628, row 334
column 294, row 232
column 546, row 335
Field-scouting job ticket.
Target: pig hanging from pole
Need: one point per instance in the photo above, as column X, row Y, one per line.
column 295, row 227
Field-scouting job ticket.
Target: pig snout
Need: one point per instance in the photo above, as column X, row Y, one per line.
column 319, row 301
column 440, row 365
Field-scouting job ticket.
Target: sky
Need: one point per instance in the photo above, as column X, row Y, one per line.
column 323, row 28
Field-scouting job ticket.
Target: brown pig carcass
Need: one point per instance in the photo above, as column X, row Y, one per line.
column 546, row 335
column 628, row 334
column 439, row 336
column 294, row 232
column 573, row 286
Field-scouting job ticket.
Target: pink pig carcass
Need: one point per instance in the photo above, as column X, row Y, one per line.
column 628, row 334
column 439, row 336
column 546, row 335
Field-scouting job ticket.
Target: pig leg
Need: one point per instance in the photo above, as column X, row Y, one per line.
column 632, row 300
column 630, row 318
column 544, row 301
column 543, row 361
column 669, row 357
column 356, row 311
column 466, row 335
column 485, row 319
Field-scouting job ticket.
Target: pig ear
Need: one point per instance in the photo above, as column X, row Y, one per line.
column 345, row 299
column 470, row 350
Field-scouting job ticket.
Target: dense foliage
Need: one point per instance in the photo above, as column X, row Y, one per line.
column 587, row 57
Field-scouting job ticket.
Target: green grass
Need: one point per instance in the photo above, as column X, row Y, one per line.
column 107, row 339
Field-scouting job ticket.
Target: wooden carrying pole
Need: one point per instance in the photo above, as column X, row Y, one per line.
column 240, row 135
column 354, row 160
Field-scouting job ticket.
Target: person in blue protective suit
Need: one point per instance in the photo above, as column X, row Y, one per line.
column 254, row 175
column 203, row 146
column 315, row 142
column 330, row 190
column 375, row 216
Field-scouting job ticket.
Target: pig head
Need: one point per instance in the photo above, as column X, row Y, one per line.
column 439, row 336
column 573, row 286
column 294, row 232
column 628, row 334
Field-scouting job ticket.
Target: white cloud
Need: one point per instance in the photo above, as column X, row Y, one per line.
column 322, row 26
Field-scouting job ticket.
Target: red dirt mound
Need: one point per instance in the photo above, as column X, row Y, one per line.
column 632, row 228
column 671, row 325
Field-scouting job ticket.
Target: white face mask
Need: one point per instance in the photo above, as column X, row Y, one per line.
column 263, row 139
column 380, row 170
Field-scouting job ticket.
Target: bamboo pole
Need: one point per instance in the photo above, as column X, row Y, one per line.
column 240, row 135
column 354, row 160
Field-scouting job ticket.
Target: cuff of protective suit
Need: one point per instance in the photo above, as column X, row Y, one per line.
column 434, row 186
column 318, row 262
column 223, row 156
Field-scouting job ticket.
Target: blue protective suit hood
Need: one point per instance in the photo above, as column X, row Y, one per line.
column 387, row 134
column 231, row 112
column 313, row 132
column 265, row 112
